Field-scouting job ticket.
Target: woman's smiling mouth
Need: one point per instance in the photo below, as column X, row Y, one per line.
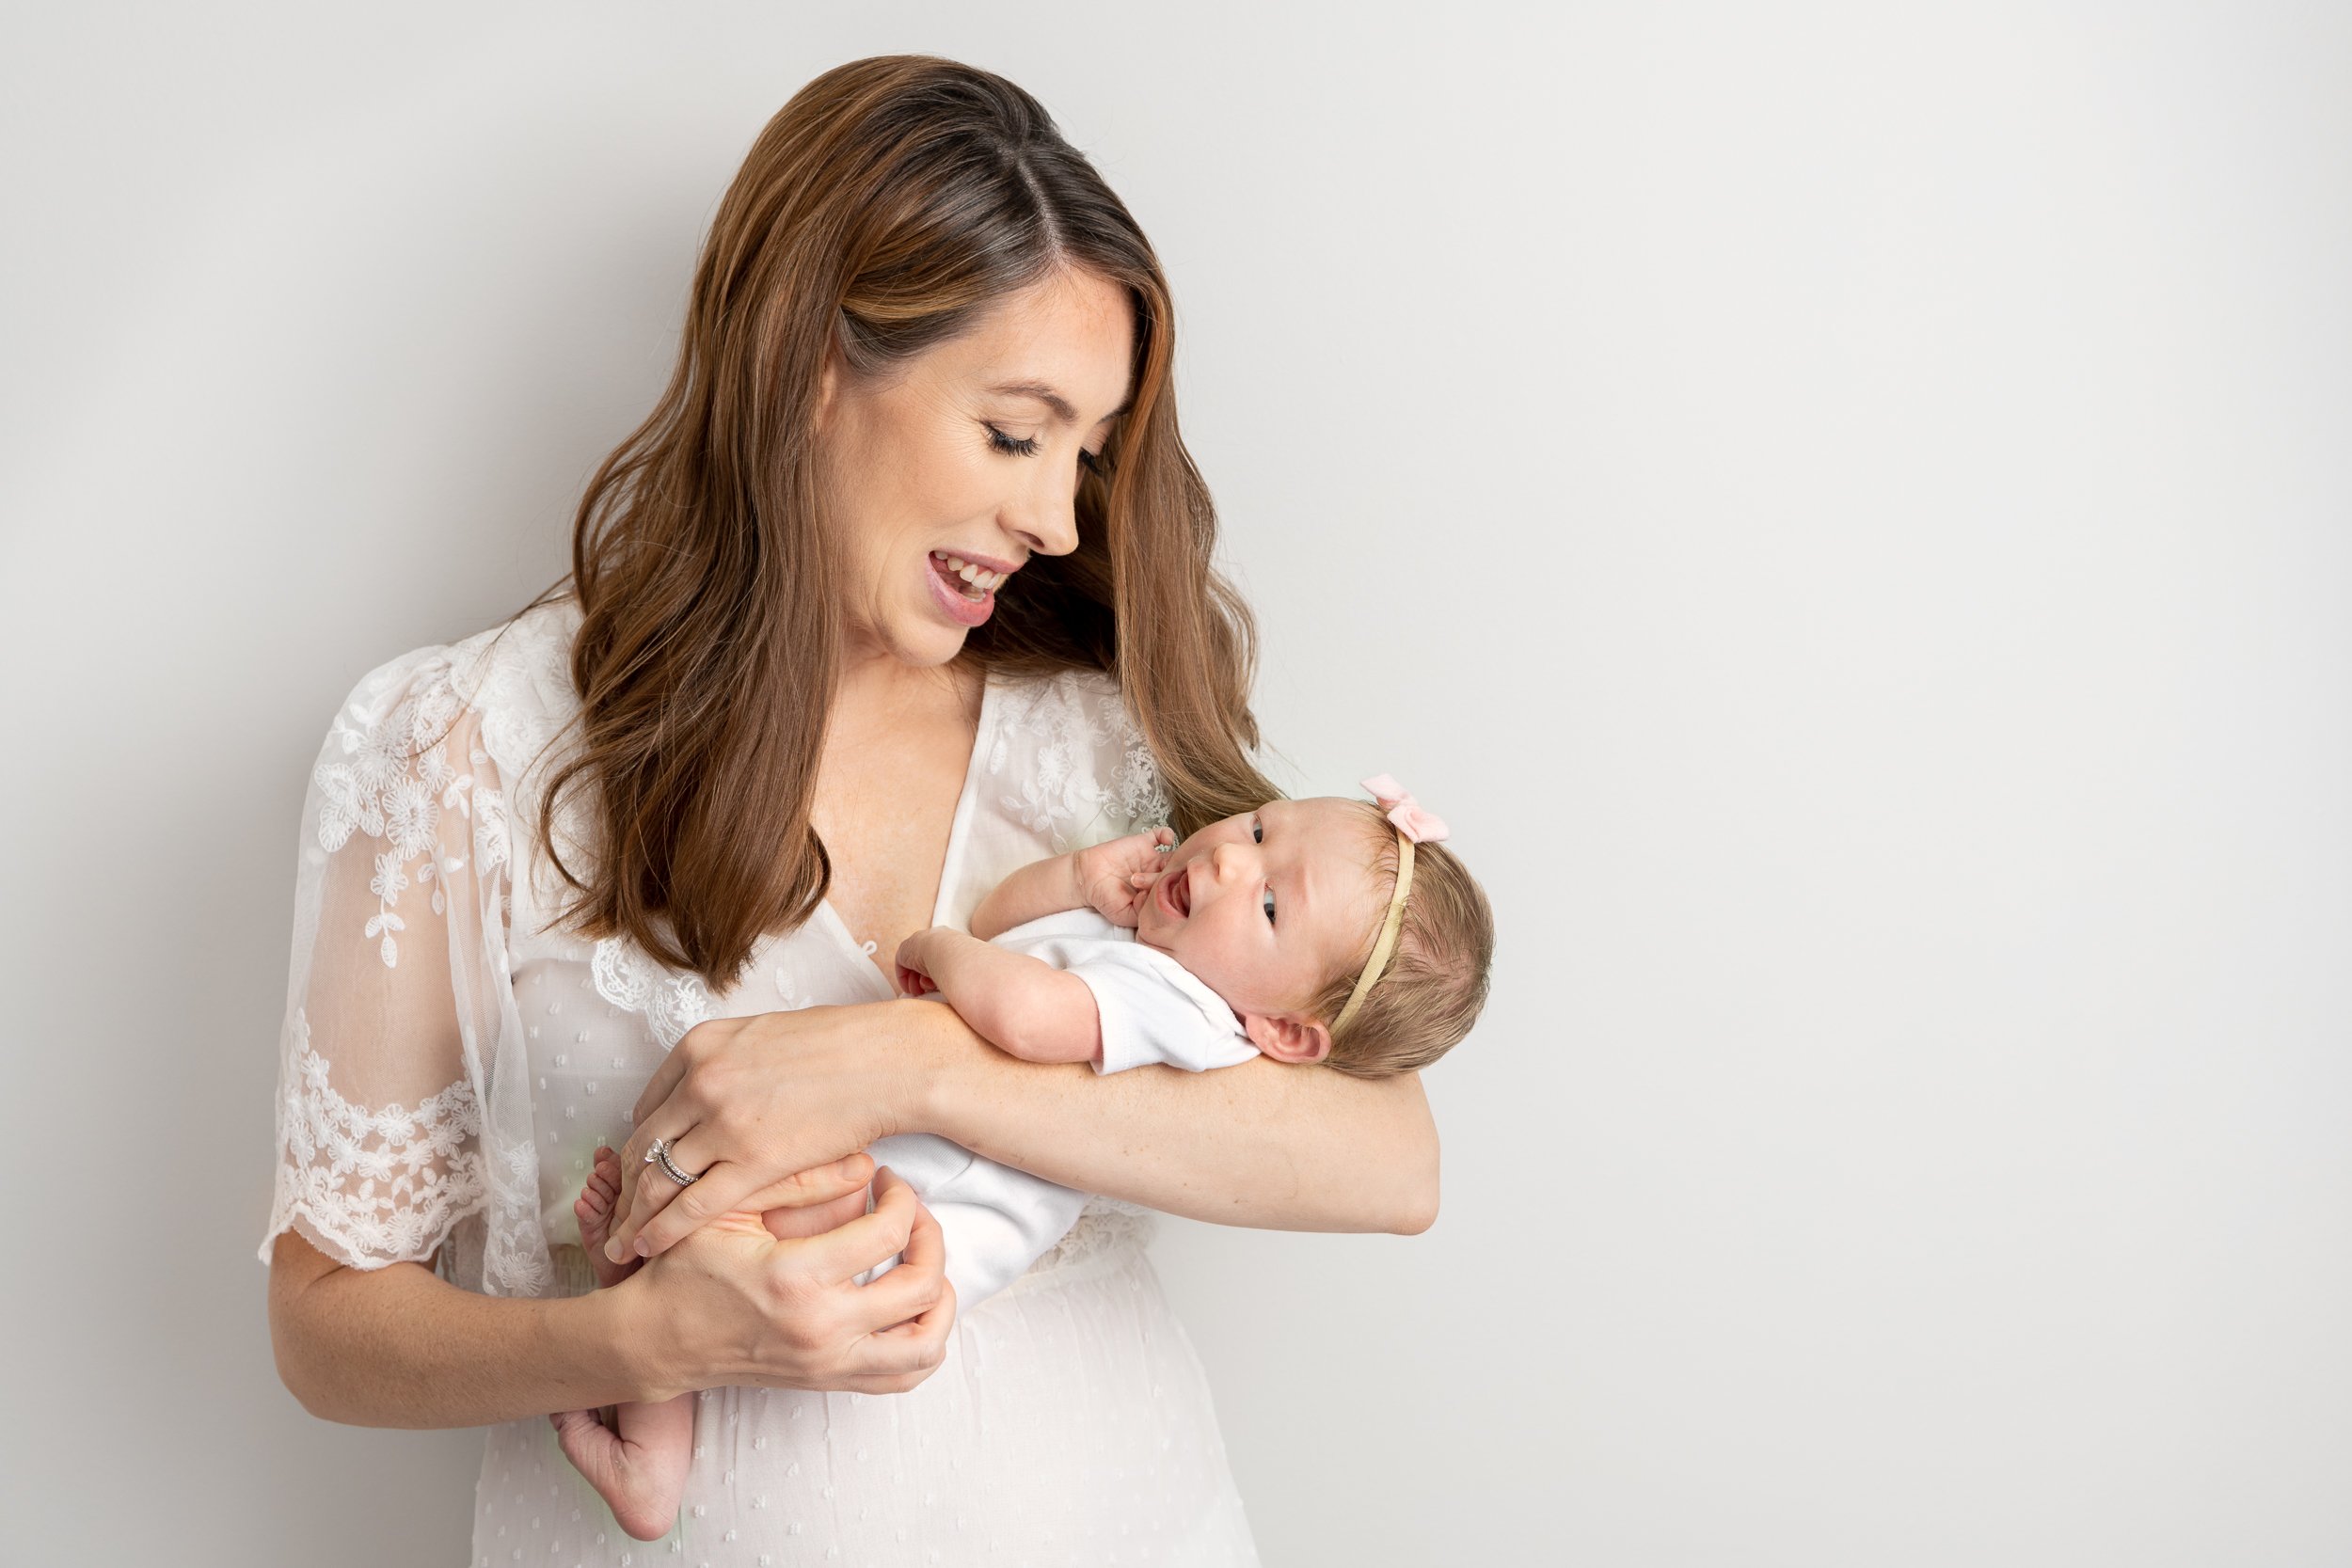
column 965, row 589
column 978, row 582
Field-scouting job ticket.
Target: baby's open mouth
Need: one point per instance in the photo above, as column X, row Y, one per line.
column 1178, row 890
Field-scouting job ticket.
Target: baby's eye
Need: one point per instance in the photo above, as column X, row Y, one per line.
column 1269, row 906
column 1257, row 832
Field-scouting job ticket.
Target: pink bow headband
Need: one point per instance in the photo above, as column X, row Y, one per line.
column 1411, row 820
column 1413, row 825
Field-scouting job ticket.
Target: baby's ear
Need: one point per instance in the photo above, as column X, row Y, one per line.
column 1288, row 1038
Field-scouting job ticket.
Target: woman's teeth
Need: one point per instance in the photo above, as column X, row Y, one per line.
column 978, row 582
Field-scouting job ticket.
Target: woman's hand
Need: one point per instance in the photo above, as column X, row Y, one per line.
column 750, row 1101
column 732, row 1304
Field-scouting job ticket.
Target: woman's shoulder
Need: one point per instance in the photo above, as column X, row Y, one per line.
column 509, row 683
column 517, row 677
column 1077, row 764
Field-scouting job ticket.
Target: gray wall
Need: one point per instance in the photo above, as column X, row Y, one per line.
column 1844, row 509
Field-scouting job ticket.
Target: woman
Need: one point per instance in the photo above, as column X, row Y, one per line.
column 771, row 726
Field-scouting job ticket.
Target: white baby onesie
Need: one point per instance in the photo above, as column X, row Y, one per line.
column 1154, row 1008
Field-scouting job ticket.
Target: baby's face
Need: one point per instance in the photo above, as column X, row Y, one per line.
column 1265, row 906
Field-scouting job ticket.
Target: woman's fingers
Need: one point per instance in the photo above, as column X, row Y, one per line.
column 916, row 1286
column 663, row 1112
column 872, row 1239
column 645, row 1188
column 725, row 1187
column 917, row 1302
column 806, row 1189
column 906, row 1355
column 665, row 1079
column 717, row 1187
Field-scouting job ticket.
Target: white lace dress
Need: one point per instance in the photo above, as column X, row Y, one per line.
column 449, row 1065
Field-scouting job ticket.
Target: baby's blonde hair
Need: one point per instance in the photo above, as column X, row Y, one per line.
column 1435, row 981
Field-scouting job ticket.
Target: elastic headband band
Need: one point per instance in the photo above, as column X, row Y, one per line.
column 1413, row 825
column 1381, row 949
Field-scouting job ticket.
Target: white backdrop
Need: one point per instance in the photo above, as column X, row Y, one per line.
column 1845, row 509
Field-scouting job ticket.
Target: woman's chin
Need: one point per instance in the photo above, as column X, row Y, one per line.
column 935, row 649
column 922, row 643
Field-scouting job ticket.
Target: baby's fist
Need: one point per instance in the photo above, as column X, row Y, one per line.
column 1117, row 875
column 914, row 974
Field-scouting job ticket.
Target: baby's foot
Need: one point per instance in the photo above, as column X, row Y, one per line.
column 640, row 1469
column 597, row 1201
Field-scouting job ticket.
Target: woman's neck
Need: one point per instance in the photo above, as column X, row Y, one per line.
column 876, row 693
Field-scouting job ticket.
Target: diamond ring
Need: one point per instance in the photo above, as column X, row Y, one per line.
column 660, row 1152
column 670, row 1169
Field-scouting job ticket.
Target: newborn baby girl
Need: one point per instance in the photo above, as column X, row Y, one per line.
column 1270, row 933
column 1322, row 930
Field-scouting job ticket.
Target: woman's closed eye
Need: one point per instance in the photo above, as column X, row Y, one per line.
column 1027, row 446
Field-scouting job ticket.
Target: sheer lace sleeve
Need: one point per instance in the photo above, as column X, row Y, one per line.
column 394, row 994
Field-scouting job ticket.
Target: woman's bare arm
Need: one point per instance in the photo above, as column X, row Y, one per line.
column 398, row 1346
column 401, row 1347
column 1282, row 1147
column 1261, row 1144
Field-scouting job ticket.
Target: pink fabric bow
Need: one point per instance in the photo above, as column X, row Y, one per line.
column 1403, row 811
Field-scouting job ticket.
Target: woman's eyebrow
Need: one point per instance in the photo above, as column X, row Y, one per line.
column 1055, row 401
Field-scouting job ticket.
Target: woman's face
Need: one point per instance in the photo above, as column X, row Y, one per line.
column 965, row 462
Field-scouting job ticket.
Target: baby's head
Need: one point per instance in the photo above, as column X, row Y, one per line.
column 1278, row 911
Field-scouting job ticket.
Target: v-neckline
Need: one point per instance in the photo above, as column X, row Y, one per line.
column 886, row 977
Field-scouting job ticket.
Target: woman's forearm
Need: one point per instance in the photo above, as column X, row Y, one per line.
column 400, row 1347
column 1276, row 1147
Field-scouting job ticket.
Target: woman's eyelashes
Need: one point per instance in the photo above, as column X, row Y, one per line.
column 1027, row 446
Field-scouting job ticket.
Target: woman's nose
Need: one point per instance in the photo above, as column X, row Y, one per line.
column 1047, row 517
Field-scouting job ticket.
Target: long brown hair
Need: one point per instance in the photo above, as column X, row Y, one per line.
column 884, row 209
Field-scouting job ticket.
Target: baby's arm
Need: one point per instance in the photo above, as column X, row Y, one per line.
column 1036, row 890
column 1023, row 1006
column 1102, row 877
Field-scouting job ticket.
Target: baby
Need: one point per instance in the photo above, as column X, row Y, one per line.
column 1322, row 930
column 1319, row 930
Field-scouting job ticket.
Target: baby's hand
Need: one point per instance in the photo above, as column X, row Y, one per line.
column 1116, row 878
column 914, row 973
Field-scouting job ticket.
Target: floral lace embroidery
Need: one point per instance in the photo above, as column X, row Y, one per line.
column 393, row 787
column 671, row 1003
column 383, row 1184
column 1061, row 797
column 1107, row 1229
